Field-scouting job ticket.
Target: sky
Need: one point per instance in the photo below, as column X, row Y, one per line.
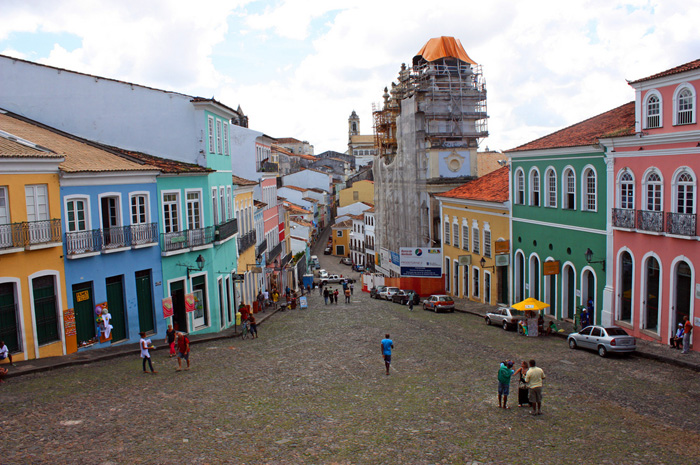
column 298, row 68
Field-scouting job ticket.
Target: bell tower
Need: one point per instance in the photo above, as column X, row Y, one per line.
column 353, row 125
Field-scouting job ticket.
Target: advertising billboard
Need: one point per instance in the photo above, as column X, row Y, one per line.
column 421, row 262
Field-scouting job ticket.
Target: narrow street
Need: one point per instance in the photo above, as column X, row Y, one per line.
column 312, row 389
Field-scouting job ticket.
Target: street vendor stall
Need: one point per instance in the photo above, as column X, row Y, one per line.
column 530, row 324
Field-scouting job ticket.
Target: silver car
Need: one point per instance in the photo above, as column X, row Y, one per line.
column 603, row 339
column 504, row 316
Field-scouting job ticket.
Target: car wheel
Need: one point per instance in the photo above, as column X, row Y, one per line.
column 424, row 307
column 602, row 351
column 505, row 326
column 488, row 321
column 572, row 343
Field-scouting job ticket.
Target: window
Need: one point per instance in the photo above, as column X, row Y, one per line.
column 455, row 233
column 210, row 122
column 222, row 204
column 139, row 209
column 171, row 221
column 653, row 192
column 193, row 210
column 520, row 187
column 570, row 192
column 447, row 233
column 589, row 188
column 355, row 195
column 219, row 149
column 339, row 233
column 229, row 205
column 447, row 274
column 75, row 215
column 226, row 140
column 551, row 186
column 37, row 202
column 465, row 236
column 535, row 188
column 215, row 204
column 4, row 206
column 627, row 191
column 653, row 108
column 475, row 237
column 487, row 242
column 684, row 106
column 685, row 189
column 475, row 285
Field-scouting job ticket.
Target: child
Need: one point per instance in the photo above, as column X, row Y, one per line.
column 505, row 371
column 170, row 339
column 145, row 344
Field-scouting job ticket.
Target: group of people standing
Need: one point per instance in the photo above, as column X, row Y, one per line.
column 529, row 385
column 681, row 339
column 177, row 341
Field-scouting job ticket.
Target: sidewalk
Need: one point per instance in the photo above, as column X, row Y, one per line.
column 645, row 349
column 119, row 350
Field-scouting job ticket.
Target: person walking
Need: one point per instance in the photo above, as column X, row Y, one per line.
column 687, row 328
column 505, row 371
column 170, row 340
column 145, row 344
column 183, row 350
column 347, row 296
column 534, row 379
column 335, row 296
column 253, row 326
column 410, row 301
column 387, row 345
column 352, row 288
column 325, row 295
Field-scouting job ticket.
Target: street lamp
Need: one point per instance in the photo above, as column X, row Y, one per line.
column 589, row 256
column 482, row 262
column 200, row 265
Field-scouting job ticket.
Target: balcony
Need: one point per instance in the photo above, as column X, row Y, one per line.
column 111, row 239
column 261, row 248
column 623, row 218
column 682, row 224
column 181, row 240
column 226, row 230
column 650, row 221
column 276, row 250
column 287, row 258
column 246, row 241
column 30, row 235
column 267, row 167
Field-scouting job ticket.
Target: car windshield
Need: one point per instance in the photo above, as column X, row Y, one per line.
column 514, row 312
column 444, row 298
column 616, row 332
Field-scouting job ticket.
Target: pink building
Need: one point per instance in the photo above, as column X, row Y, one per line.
column 654, row 174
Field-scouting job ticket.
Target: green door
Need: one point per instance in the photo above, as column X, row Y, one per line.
column 45, row 309
column 8, row 317
column 144, row 300
column 115, row 305
column 84, row 306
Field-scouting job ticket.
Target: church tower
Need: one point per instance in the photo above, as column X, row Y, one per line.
column 353, row 125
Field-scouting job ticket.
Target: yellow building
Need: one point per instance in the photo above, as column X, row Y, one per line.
column 360, row 191
column 243, row 201
column 341, row 238
column 34, row 318
column 476, row 239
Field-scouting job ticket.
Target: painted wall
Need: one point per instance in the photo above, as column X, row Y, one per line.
column 364, row 190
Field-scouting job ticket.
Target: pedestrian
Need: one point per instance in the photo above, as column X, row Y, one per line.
column 522, row 385
column 261, row 299
column 287, row 292
column 320, row 288
column 275, row 297
column 145, row 344
column 325, row 295
column 347, row 296
column 387, row 345
column 253, row 326
column 677, row 339
column 505, row 371
column 266, row 299
column 534, row 379
column 687, row 328
column 5, row 353
column 335, row 296
column 170, row 340
column 352, row 288
column 410, row 301
column 183, row 350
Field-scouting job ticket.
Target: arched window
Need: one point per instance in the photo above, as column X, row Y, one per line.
column 685, row 192
column 684, row 107
column 653, row 111
column 654, row 190
column 551, row 187
column 590, row 190
column 534, row 188
column 520, row 187
column 569, row 189
column 626, row 191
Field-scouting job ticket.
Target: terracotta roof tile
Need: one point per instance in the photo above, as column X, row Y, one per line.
column 288, row 140
column 296, row 188
column 616, row 122
column 163, row 164
column 259, row 204
column 492, row 187
column 239, row 181
column 347, row 224
column 695, row 64
column 10, row 148
column 294, row 208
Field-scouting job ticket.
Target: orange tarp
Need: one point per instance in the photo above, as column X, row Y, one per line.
column 442, row 47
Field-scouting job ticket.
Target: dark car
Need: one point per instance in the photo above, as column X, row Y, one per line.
column 359, row 268
column 374, row 292
column 401, row 297
column 327, row 251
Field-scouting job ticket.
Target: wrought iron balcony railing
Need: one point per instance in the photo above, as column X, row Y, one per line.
column 623, row 218
column 261, row 248
column 179, row 240
column 116, row 238
column 267, row 167
column 650, row 220
column 30, row 233
column 142, row 234
column 276, row 250
column 11, row 235
column 682, row 224
column 81, row 242
column 246, row 241
column 97, row 240
column 287, row 258
column 201, row 236
column 227, row 229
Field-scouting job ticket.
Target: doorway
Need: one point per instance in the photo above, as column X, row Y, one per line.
column 84, row 305
column 502, row 276
column 569, row 291
column 625, row 295
column 115, row 306
column 144, row 300
column 651, row 297
column 177, row 292
column 683, row 292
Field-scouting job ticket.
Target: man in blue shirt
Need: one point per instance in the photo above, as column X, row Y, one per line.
column 387, row 345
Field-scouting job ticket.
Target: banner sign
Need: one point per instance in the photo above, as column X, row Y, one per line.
column 395, row 259
column 550, row 268
column 69, row 322
column 421, row 262
column 303, row 302
column 464, row 260
column 167, row 307
column 189, row 302
column 502, row 247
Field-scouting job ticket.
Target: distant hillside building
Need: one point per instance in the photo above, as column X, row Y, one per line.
column 360, row 146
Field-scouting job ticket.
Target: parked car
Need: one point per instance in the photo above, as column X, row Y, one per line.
column 359, row 268
column 346, row 261
column 327, row 251
column 388, row 292
column 505, row 317
column 439, row 302
column 401, row 297
column 322, row 274
column 317, row 266
column 374, row 292
column 603, row 339
column 334, row 278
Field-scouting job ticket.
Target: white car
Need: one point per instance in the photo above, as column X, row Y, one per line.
column 322, row 274
column 388, row 292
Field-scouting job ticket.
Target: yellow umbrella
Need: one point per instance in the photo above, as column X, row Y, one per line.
column 531, row 304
